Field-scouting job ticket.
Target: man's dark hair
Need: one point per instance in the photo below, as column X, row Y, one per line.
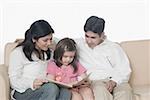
column 94, row 24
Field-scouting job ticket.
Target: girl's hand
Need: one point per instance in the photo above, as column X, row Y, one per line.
column 38, row 82
column 76, row 89
column 85, row 83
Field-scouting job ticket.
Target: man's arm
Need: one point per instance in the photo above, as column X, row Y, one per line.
column 120, row 63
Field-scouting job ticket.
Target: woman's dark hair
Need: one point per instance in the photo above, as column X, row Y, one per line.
column 95, row 24
column 65, row 44
column 38, row 29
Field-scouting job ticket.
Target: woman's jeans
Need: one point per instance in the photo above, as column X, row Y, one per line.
column 48, row 91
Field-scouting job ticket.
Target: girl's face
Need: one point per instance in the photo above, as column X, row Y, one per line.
column 68, row 57
column 43, row 42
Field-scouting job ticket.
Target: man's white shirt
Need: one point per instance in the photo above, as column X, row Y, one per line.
column 106, row 60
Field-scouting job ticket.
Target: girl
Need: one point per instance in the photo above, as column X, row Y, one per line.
column 66, row 68
column 28, row 63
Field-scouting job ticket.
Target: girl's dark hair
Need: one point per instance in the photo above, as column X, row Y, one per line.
column 65, row 44
column 38, row 29
column 95, row 24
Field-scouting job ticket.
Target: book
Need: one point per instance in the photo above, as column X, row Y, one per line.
column 80, row 82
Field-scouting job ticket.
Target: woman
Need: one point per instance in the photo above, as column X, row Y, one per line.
column 28, row 63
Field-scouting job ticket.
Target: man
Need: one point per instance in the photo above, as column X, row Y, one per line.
column 106, row 61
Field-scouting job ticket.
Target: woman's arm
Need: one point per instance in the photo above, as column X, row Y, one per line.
column 16, row 70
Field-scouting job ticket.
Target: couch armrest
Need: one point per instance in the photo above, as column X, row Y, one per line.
column 4, row 83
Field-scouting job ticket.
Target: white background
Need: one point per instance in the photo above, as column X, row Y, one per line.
column 125, row 19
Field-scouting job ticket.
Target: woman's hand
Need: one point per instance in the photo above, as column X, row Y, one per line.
column 38, row 82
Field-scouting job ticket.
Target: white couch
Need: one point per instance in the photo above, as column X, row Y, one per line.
column 139, row 55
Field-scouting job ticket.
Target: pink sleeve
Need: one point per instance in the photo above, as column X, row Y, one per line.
column 81, row 69
column 51, row 67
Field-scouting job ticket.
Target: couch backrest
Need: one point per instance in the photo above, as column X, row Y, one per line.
column 138, row 52
column 8, row 48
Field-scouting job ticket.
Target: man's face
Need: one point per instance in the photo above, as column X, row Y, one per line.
column 93, row 39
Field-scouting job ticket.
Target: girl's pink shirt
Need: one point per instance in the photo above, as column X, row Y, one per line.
column 66, row 74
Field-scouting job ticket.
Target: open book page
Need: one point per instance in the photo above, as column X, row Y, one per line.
column 80, row 82
column 69, row 85
column 60, row 83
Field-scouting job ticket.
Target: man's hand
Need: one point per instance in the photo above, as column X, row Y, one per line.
column 110, row 85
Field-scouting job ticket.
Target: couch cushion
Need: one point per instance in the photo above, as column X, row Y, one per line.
column 139, row 56
column 143, row 92
column 4, row 83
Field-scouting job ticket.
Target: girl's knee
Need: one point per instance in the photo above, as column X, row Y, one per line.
column 76, row 96
column 86, row 90
column 87, row 93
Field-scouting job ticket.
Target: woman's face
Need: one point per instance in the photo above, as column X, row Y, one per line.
column 43, row 42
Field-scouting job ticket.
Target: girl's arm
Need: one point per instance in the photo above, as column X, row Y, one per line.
column 15, row 70
column 51, row 69
column 50, row 76
column 82, row 76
